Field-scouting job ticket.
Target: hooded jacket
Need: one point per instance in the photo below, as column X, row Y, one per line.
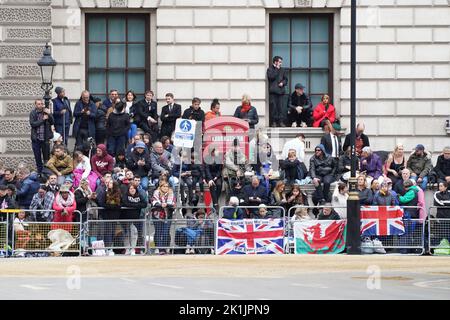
column 103, row 164
column 320, row 167
column 410, row 199
column 420, row 165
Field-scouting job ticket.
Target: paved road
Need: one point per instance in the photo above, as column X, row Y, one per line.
column 341, row 285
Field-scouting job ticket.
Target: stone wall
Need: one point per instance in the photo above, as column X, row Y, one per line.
column 24, row 29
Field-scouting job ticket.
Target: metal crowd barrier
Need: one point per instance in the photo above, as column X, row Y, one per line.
column 290, row 243
column 104, row 236
column 411, row 242
column 44, row 238
column 249, row 213
column 182, row 234
column 439, row 230
column 4, row 245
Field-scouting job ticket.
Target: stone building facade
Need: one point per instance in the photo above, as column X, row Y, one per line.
column 221, row 48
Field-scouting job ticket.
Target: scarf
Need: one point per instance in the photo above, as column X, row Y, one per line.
column 64, row 203
column 245, row 108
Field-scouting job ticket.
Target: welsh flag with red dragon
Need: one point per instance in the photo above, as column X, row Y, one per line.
column 319, row 236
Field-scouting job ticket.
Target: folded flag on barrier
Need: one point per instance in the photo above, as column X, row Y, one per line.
column 250, row 236
column 319, row 236
column 382, row 221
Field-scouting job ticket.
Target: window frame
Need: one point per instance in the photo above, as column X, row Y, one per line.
column 126, row 69
column 291, row 16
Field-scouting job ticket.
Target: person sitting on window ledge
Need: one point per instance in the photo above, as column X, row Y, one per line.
column 324, row 111
column 299, row 108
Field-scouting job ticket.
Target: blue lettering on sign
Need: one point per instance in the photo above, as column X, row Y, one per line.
column 185, row 126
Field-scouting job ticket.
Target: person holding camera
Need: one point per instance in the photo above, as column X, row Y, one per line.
column 85, row 114
column 41, row 121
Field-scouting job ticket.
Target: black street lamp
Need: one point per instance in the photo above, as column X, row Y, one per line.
column 47, row 65
column 353, row 241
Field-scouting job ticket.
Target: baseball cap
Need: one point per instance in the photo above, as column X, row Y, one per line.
column 420, row 147
column 299, row 86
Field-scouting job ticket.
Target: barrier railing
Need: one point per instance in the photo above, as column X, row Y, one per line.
column 412, row 241
column 250, row 245
column 181, row 236
column 44, row 238
column 439, row 230
column 4, row 245
column 295, row 214
column 120, row 234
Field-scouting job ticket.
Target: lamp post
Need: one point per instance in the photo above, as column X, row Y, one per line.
column 353, row 241
column 47, row 64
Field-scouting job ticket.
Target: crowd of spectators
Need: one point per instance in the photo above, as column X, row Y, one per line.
column 124, row 157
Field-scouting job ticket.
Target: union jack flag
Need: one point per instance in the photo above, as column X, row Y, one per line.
column 382, row 221
column 250, row 236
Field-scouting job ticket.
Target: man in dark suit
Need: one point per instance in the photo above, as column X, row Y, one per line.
column 278, row 80
column 332, row 143
column 169, row 115
column 146, row 115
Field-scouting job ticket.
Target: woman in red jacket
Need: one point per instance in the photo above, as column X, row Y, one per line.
column 64, row 206
column 323, row 111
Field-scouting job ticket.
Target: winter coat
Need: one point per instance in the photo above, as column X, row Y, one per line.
column 35, row 123
column 62, row 165
column 320, row 114
column 158, row 212
column 117, row 124
column 233, row 213
column 421, row 166
column 294, row 170
column 103, row 164
column 259, row 192
column 230, row 168
column 27, row 189
column 275, row 76
column 442, row 167
column 332, row 216
column 303, row 101
column 160, row 162
column 100, row 118
column 410, row 199
column 79, row 106
column 192, row 114
column 365, row 197
column 383, row 200
column 58, row 106
column 320, row 167
column 374, row 166
column 132, row 163
column 251, row 115
column 442, row 201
